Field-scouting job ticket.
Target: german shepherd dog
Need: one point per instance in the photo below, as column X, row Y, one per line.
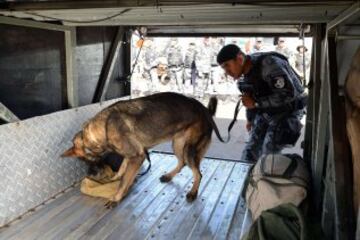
column 131, row 127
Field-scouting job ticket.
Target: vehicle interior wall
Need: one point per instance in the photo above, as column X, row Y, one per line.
column 348, row 41
column 32, row 68
column 92, row 51
column 332, row 165
column 348, row 50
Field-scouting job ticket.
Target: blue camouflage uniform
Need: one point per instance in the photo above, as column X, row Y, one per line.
column 280, row 99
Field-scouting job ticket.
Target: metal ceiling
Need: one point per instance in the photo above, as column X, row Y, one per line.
column 184, row 14
column 228, row 30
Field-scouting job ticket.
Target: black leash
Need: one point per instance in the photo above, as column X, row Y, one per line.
column 148, row 168
column 231, row 125
column 236, row 112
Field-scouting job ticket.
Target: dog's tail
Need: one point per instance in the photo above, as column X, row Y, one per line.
column 212, row 105
column 212, row 110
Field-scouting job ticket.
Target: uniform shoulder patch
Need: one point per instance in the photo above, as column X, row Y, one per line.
column 279, row 82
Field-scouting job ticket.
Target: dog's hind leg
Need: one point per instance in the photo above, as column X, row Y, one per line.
column 194, row 156
column 178, row 146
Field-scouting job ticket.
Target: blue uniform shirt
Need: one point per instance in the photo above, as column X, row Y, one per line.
column 274, row 81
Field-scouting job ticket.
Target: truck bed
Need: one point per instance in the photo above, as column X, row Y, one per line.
column 152, row 210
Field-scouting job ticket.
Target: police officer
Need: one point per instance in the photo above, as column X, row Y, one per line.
column 259, row 45
column 282, row 48
column 189, row 61
column 175, row 63
column 216, row 72
column 299, row 61
column 203, row 63
column 150, row 64
column 273, row 96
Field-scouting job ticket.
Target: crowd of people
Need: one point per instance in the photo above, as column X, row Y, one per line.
column 189, row 66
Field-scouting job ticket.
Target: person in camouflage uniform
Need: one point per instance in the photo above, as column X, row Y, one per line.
column 273, row 96
column 216, row 73
column 175, row 64
column 259, row 45
column 150, row 64
column 283, row 49
column 203, row 63
column 189, row 61
column 299, row 61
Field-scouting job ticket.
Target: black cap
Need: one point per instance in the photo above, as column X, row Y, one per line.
column 228, row 52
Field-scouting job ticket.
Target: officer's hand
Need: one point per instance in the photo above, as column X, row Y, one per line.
column 248, row 126
column 248, row 101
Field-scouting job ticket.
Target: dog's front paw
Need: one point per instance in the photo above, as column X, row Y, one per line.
column 165, row 178
column 190, row 196
column 110, row 204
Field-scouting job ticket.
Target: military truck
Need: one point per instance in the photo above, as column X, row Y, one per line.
column 63, row 61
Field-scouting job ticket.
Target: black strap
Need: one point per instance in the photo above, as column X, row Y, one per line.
column 291, row 168
column 288, row 173
column 148, row 168
column 231, row 125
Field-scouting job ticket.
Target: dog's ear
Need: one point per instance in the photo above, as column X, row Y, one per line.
column 69, row 153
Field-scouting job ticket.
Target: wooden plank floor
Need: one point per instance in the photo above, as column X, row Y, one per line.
column 152, row 210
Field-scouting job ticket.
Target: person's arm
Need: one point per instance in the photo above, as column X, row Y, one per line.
column 250, row 116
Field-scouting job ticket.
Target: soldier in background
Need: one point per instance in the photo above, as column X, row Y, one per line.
column 216, row 73
column 175, row 64
column 150, row 64
column 282, row 48
column 203, row 63
column 259, row 45
column 189, row 61
column 299, row 61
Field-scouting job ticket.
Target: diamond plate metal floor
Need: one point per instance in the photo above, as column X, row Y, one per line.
column 152, row 210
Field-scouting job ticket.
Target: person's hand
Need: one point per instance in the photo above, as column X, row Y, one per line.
column 248, row 126
column 248, row 101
